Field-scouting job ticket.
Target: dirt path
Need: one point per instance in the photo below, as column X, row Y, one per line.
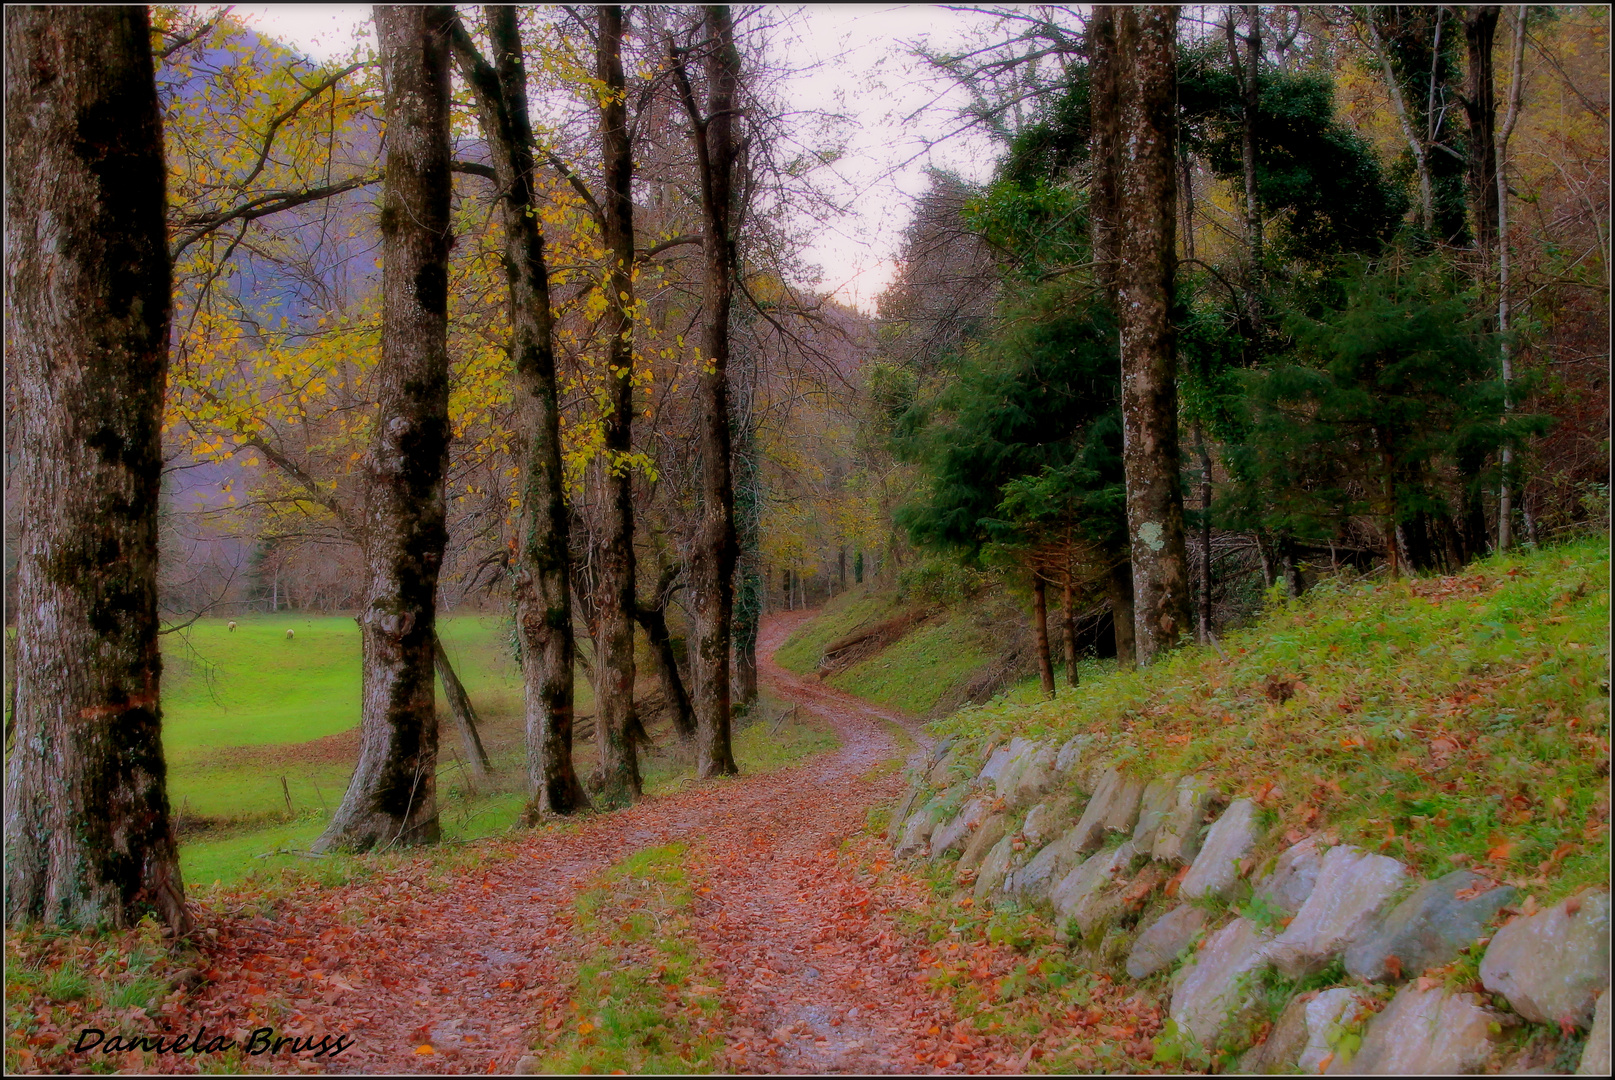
column 814, row 970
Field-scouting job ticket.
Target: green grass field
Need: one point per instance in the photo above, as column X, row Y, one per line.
column 260, row 732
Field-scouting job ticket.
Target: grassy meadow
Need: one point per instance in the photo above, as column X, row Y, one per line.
column 261, row 735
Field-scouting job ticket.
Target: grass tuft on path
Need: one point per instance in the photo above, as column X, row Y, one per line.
column 643, row 1000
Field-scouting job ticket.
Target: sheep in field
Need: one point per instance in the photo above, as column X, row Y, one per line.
column 288, row 635
column 231, row 625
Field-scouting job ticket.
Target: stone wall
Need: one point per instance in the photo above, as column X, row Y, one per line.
column 1156, row 878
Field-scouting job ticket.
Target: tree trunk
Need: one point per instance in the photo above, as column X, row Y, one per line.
column 465, row 717
column 392, row 797
column 749, row 591
column 653, row 620
column 619, row 762
column 1040, row 624
column 1264, row 552
column 542, row 586
column 712, row 562
column 1068, row 610
column 1104, row 112
column 1205, row 536
column 1405, row 121
column 11, row 687
column 1505, row 502
column 1480, row 106
column 1119, row 587
column 88, row 837
column 1251, row 92
column 1147, row 202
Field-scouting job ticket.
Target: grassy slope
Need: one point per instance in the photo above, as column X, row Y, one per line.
column 1456, row 721
column 912, row 674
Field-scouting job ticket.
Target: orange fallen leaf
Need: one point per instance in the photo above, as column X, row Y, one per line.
column 1500, row 848
column 1572, row 905
column 585, row 1027
column 425, row 1048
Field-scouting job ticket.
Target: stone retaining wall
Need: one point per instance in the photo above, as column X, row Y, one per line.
column 1152, row 875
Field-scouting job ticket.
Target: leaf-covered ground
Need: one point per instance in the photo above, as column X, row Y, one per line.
column 745, row 925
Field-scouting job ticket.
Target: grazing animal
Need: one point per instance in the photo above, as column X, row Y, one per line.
column 232, row 625
column 288, row 635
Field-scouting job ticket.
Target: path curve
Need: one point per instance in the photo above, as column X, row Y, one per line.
column 817, row 977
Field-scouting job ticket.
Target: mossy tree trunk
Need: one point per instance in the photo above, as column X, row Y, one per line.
column 88, row 835
column 392, row 797
column 614, row 668
column 542, row 587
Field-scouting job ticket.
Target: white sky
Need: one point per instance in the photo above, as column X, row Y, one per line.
column 850, row 58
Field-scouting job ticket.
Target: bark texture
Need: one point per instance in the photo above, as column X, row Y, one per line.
column 712, row 562
column 1147, row 213
column 542, row 584
column 392, row 797
column 88, row 836
column 614, row 675
column 1104, row 117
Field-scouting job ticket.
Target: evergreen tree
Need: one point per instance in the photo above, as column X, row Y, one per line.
column 1384, row 403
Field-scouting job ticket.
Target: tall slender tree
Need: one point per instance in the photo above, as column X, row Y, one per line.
column 542, row 586
column 88, row 835
column 712, row 562
column 1104, row 195
column 1505, row 501
column 392, row 797
column 748, row 483
column 614, row 674
column 1146, row 63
